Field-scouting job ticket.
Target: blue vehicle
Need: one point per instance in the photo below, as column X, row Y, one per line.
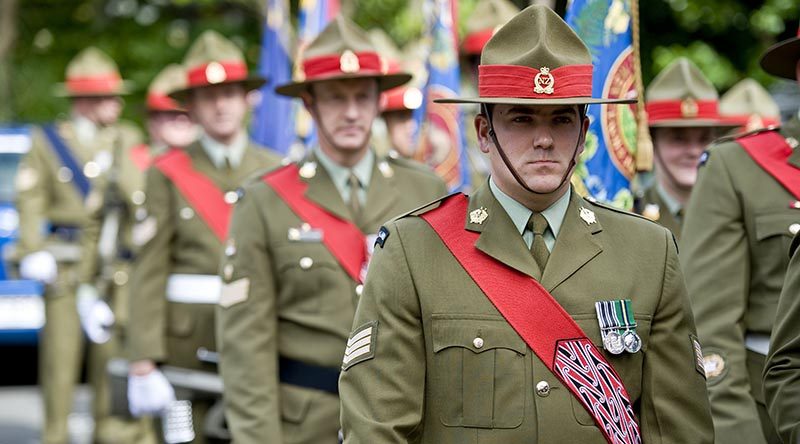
column 21, row 301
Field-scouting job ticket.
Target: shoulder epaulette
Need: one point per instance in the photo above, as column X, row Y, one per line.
column 422, row 209
column 734, row 137
column 606, row 206
column 408, row 163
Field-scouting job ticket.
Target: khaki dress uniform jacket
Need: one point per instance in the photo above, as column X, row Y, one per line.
column 430, row 380
column 652, row 201
column 294, row 300
column 782, row 370
column 734, row 251
column 46, row 196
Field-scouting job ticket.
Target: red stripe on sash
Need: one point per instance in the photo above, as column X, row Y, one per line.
column 200, row 191
column 544, row 325
column 771, row 152
column 140, row 155
column 344, row 240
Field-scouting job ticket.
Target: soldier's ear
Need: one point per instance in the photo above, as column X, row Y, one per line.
column 482, row 130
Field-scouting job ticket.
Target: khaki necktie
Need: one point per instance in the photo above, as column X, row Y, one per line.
column 538, row 225
column 355, row 203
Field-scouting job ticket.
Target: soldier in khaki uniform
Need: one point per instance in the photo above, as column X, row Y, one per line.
column 298, row 248
column 682, row 110
column 109, row 247
column 190, row 194
column 740, row 221
column 750, row 106
column 54, row 179
column 782, row 367
column 482, row 319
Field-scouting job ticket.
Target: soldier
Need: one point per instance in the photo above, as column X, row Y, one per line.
column 479, row 316
column 750, row 106
column 397, row 110
column 682, row 110
column 190, row 194
column 53, row 181
column 298, row 248
column 783, row 361
column 109, row 244
column 740, row 219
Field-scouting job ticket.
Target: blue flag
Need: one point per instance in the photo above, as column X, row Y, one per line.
column 273, row 119
column 608, row 163
column 441, row 141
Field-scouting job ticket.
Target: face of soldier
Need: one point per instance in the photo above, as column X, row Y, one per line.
column 400, row 125
column 678, row 152
column 173, row 129
column 101, row 111
column 539, row 141
column 344, row 110
column 220, row 110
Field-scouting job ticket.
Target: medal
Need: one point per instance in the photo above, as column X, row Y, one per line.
column 613, row 343
column 632, row 341
column 617, row 326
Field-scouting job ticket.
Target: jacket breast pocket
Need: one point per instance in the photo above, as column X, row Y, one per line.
column 305, row 273
column 774, row 232
column 628, row 366
column 479, row 368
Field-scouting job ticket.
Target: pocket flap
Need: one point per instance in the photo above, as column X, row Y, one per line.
column 477, row 333
column 775, row 224
column 294, row 403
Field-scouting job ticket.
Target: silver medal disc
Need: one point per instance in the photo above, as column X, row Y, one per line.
column 613, row 343
column 632, row 341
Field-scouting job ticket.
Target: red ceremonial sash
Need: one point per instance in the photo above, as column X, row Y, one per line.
column 544, row 325
column 200, row 191
column 140, row 155
column 771, row 152
column 343, row 239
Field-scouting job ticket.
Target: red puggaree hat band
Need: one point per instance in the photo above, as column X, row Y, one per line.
column 475, row 42
column 99, row 84
column 660, row 110
column 515, row 81
column 361, row 63
column 162, row 102
column 213, row 73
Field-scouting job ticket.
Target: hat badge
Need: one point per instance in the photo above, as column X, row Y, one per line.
column 348, row 62
column 689, row 108
column 215, row 73
column 544, row 81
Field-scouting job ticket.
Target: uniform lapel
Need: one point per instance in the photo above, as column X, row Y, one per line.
column 499, row 237
column 575, row 245
column 381, row 196
column 322, row 191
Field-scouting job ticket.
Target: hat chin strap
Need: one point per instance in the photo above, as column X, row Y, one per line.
column 514, row 172
column 326, row 135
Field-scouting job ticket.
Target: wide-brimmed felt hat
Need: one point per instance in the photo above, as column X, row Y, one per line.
column 781, row 58
column 681, row 96
column 404, row 97
column 748, row 104
column 487, row 17
column 214, row 60
column 341, row 51
column 170, row 79
column 92, row 73
column 535, row 59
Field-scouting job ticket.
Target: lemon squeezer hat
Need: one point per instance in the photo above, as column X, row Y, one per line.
column 215, row 60
column 487, row 17
column 342, row 51
column 171, row 78
column 681, row 96
column 749, row 105
column 535, row 59
column 92, row 73
column 404, row 97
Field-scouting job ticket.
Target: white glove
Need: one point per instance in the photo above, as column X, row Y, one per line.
column 95, row 314
column 149, row 394
column 39, row 266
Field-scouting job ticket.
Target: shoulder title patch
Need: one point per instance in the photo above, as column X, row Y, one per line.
column 383, row 234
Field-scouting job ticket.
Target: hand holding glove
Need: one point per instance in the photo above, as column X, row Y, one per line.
column 149, row 394
column 96, row 316
column 39, row 266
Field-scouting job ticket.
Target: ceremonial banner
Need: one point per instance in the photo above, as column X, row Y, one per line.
column 441, row 141
column 614, row 141
column 273, row 118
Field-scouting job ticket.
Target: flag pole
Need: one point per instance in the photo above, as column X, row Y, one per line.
column 644, row 144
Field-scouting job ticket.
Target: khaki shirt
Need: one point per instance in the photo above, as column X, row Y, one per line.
column 734, row 251
column 659, row 207
column 426, row 380
column 287, row 296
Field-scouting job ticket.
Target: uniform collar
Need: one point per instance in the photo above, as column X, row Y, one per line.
column 219, row 152
column 340, row 175
column 520, row 214
column 670, row 202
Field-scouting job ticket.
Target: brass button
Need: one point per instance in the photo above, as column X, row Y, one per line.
column 91, row 169
column 187, row 213
column 227, row 272
column 306, row 262
column 138, row 197
column 543, row 389
column 64, row 175
column 794, row 228
column 359, row 290
column 120, row 278
column 231, row 197
column 477, row 343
